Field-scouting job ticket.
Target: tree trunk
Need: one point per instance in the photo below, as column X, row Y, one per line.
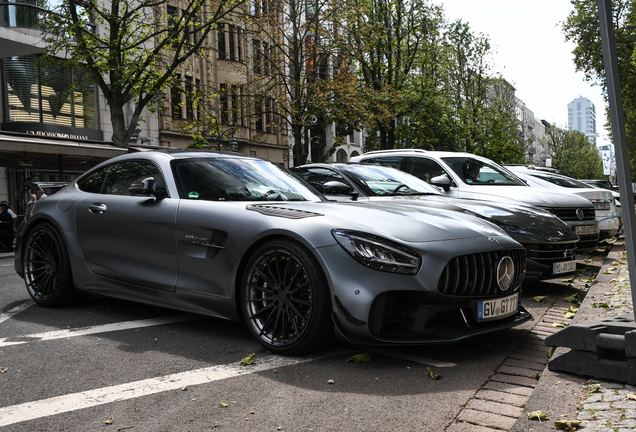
column 120, row 131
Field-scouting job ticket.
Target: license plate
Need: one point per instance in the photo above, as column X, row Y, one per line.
column 497, row 308
column 587, row 229
column 601, row 205
column 563, row 267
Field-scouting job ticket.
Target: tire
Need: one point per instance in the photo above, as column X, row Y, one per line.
column 285, row 299
column 47, row 268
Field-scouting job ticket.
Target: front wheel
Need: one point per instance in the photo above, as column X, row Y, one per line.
column 47, row 269
column 286, row 300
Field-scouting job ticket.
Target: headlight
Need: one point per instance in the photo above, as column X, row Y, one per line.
column 378, row 253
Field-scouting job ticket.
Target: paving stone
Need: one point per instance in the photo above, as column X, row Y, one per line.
column 486, row 419
column 541, row 353
column 586, row 415
column 507, row 398
column 495, row 408
column 518, row 371
column 609, row 415
column 615, row 386
column 534, row 336
column 538, row 360
column 540, row 332
column 593, row 399
column 626, row 423
column 613, row 397
column 630, row 413
column 508, row 388
column 511, row 379
column 524, row 364
column 597, row 406
column 627, row 404
column 467, row 427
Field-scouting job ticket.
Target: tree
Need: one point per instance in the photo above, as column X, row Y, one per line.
column 572, row 153
column 132, row 49
column 582, row 28
column 387, row 39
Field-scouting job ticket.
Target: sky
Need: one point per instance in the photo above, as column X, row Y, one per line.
column 530, row 51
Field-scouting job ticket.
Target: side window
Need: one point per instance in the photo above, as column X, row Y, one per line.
column 120, row 176
column 426, row 169
column 323, row 176
column 391, row 161
column 93, row 182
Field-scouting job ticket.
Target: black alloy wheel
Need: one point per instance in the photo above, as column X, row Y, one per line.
column 286, row 299
column 47, row 269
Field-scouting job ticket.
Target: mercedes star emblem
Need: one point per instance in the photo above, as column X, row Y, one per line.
column 505, row 273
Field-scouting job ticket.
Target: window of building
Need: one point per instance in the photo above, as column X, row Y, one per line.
column 258, row 113
column 578, row 106
column 39, row 93
column 221, row 42
column 175, row 101
column 257, row 56
column 224, row 104
column 189, row 98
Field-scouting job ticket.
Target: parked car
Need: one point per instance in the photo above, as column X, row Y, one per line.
column 607, row 212
column 550, row 244
column 603, row 184
column 490, row 182
column 241, row 238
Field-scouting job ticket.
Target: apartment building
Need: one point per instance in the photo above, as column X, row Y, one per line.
column 582, row 117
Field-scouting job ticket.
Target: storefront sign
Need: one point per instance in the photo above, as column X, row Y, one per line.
column 44, row 130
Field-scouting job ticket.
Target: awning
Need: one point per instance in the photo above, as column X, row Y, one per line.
column 13, row 144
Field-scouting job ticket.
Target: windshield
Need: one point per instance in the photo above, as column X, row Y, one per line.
column 481, row 172
column 236, row 179
column 562, row 181
column 383, row 181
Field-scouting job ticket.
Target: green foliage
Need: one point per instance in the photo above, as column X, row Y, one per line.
column 572, row 153
column 582, row 28
column 131, row 50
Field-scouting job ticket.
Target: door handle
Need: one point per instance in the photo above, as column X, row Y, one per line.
column 97, row 208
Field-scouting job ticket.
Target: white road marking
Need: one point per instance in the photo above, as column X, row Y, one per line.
column 91, row 398
column 411, row 357
column 83, row 331
column 16, row 310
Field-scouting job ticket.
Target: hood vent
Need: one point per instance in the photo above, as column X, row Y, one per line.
column 284, row 212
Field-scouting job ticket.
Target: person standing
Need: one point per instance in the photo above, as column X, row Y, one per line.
column 41, row 194
column 6, row 228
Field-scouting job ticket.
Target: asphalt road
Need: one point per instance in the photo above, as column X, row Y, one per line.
column 112, row 365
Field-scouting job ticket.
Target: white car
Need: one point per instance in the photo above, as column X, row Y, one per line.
column 452, row 171
column 608, row 214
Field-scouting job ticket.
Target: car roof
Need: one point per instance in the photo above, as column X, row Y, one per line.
column 438, row 153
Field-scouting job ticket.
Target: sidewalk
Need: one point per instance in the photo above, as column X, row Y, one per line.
column 564, row 396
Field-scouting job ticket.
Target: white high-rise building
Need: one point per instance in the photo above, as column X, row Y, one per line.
column 582, row 117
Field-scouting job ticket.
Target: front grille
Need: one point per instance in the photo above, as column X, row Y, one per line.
column 569, row 213
column 548, row 253
column 476, row 275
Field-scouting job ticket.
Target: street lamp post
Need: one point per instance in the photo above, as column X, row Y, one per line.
column 217, row 138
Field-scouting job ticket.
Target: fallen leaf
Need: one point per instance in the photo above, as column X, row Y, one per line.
column 594, row 388
column 568, row 424
column 619, row 279
column 537, row 415
column 589, row 260
column 431, row 373
column 359, row 358
column 614, row 263
column 250, row 359
column 570, row 280
column 631, row 396
column 590, row 280
column 603, row 305
column 551, row 351
column 535, row 376
column 223, row 405
column 3, row 369
column 574, row 298
column 570, row 313
column 330, row 382
column 540, row 299
column 558, row 324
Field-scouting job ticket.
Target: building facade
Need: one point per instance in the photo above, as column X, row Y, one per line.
column 582, row 117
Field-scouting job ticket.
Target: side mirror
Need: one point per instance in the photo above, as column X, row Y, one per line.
column 442, row 182
column 318, row 187
column 145, row 187
column 336, row 188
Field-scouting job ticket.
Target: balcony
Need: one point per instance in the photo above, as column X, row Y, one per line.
column 20, row 25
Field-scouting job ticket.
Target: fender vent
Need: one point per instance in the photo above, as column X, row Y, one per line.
column 284, row 212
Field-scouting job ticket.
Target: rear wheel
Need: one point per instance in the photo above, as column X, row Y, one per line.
column 286, row 300
column 47, row 269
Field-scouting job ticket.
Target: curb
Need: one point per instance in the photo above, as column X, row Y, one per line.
column 560, row 395
column 7, row 255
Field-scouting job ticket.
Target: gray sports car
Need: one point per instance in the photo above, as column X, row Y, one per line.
column 243, row 239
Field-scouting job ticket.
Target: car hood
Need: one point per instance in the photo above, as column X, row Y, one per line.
column 525, row 195
column 407, row 223
column 523, row 223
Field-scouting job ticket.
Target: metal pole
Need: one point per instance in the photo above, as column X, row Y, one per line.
column 617, row 120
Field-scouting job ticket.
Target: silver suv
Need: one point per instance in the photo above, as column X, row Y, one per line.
column 466, row 175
